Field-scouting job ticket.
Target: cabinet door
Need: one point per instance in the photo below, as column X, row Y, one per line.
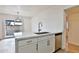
column 42, row 46
column 51, row 43
column 31, row 48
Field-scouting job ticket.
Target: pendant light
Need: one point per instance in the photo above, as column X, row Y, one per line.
column 18, row 18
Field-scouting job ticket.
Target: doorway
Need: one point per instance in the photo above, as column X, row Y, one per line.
column 71, row 31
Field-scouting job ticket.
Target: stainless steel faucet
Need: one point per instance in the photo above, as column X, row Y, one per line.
column 39, row 26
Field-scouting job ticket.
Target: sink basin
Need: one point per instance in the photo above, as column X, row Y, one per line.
column 41, row 32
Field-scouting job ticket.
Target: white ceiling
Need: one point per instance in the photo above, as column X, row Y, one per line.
column 28, row 10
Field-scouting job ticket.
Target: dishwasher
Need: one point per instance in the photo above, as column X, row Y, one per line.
column 58, row 41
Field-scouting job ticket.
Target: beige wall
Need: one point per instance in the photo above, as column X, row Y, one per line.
column 27, row 24
column 52, row 19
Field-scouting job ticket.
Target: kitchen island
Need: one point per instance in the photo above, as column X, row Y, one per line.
column 29, row 43
column 33, row 43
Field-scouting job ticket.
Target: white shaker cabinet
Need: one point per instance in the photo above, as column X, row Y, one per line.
column 51, row 43
column 42, row 44
column 27, row 46
column 31, row 48
column 46, row 44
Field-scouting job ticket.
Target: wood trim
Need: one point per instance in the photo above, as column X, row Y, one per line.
column 73, row 48
column 72, row 10
column 71, row 44
column 65, row 31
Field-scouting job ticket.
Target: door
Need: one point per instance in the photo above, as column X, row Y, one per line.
column 51, row 44
column 43, row 46
column 72, row 40
column 31, row 48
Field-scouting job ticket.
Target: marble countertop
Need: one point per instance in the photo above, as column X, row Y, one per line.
column 31, row 35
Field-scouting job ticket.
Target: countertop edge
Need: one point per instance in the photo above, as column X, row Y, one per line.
column 25, row 38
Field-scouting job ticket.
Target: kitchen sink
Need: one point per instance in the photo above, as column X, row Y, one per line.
column 41, row 32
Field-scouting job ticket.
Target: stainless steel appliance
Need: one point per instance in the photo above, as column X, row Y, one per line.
column 58, row 41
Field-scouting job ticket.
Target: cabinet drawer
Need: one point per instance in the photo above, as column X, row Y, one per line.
column 31, row 48
column 51, row 37
column 26, row 42
column 43, row 38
